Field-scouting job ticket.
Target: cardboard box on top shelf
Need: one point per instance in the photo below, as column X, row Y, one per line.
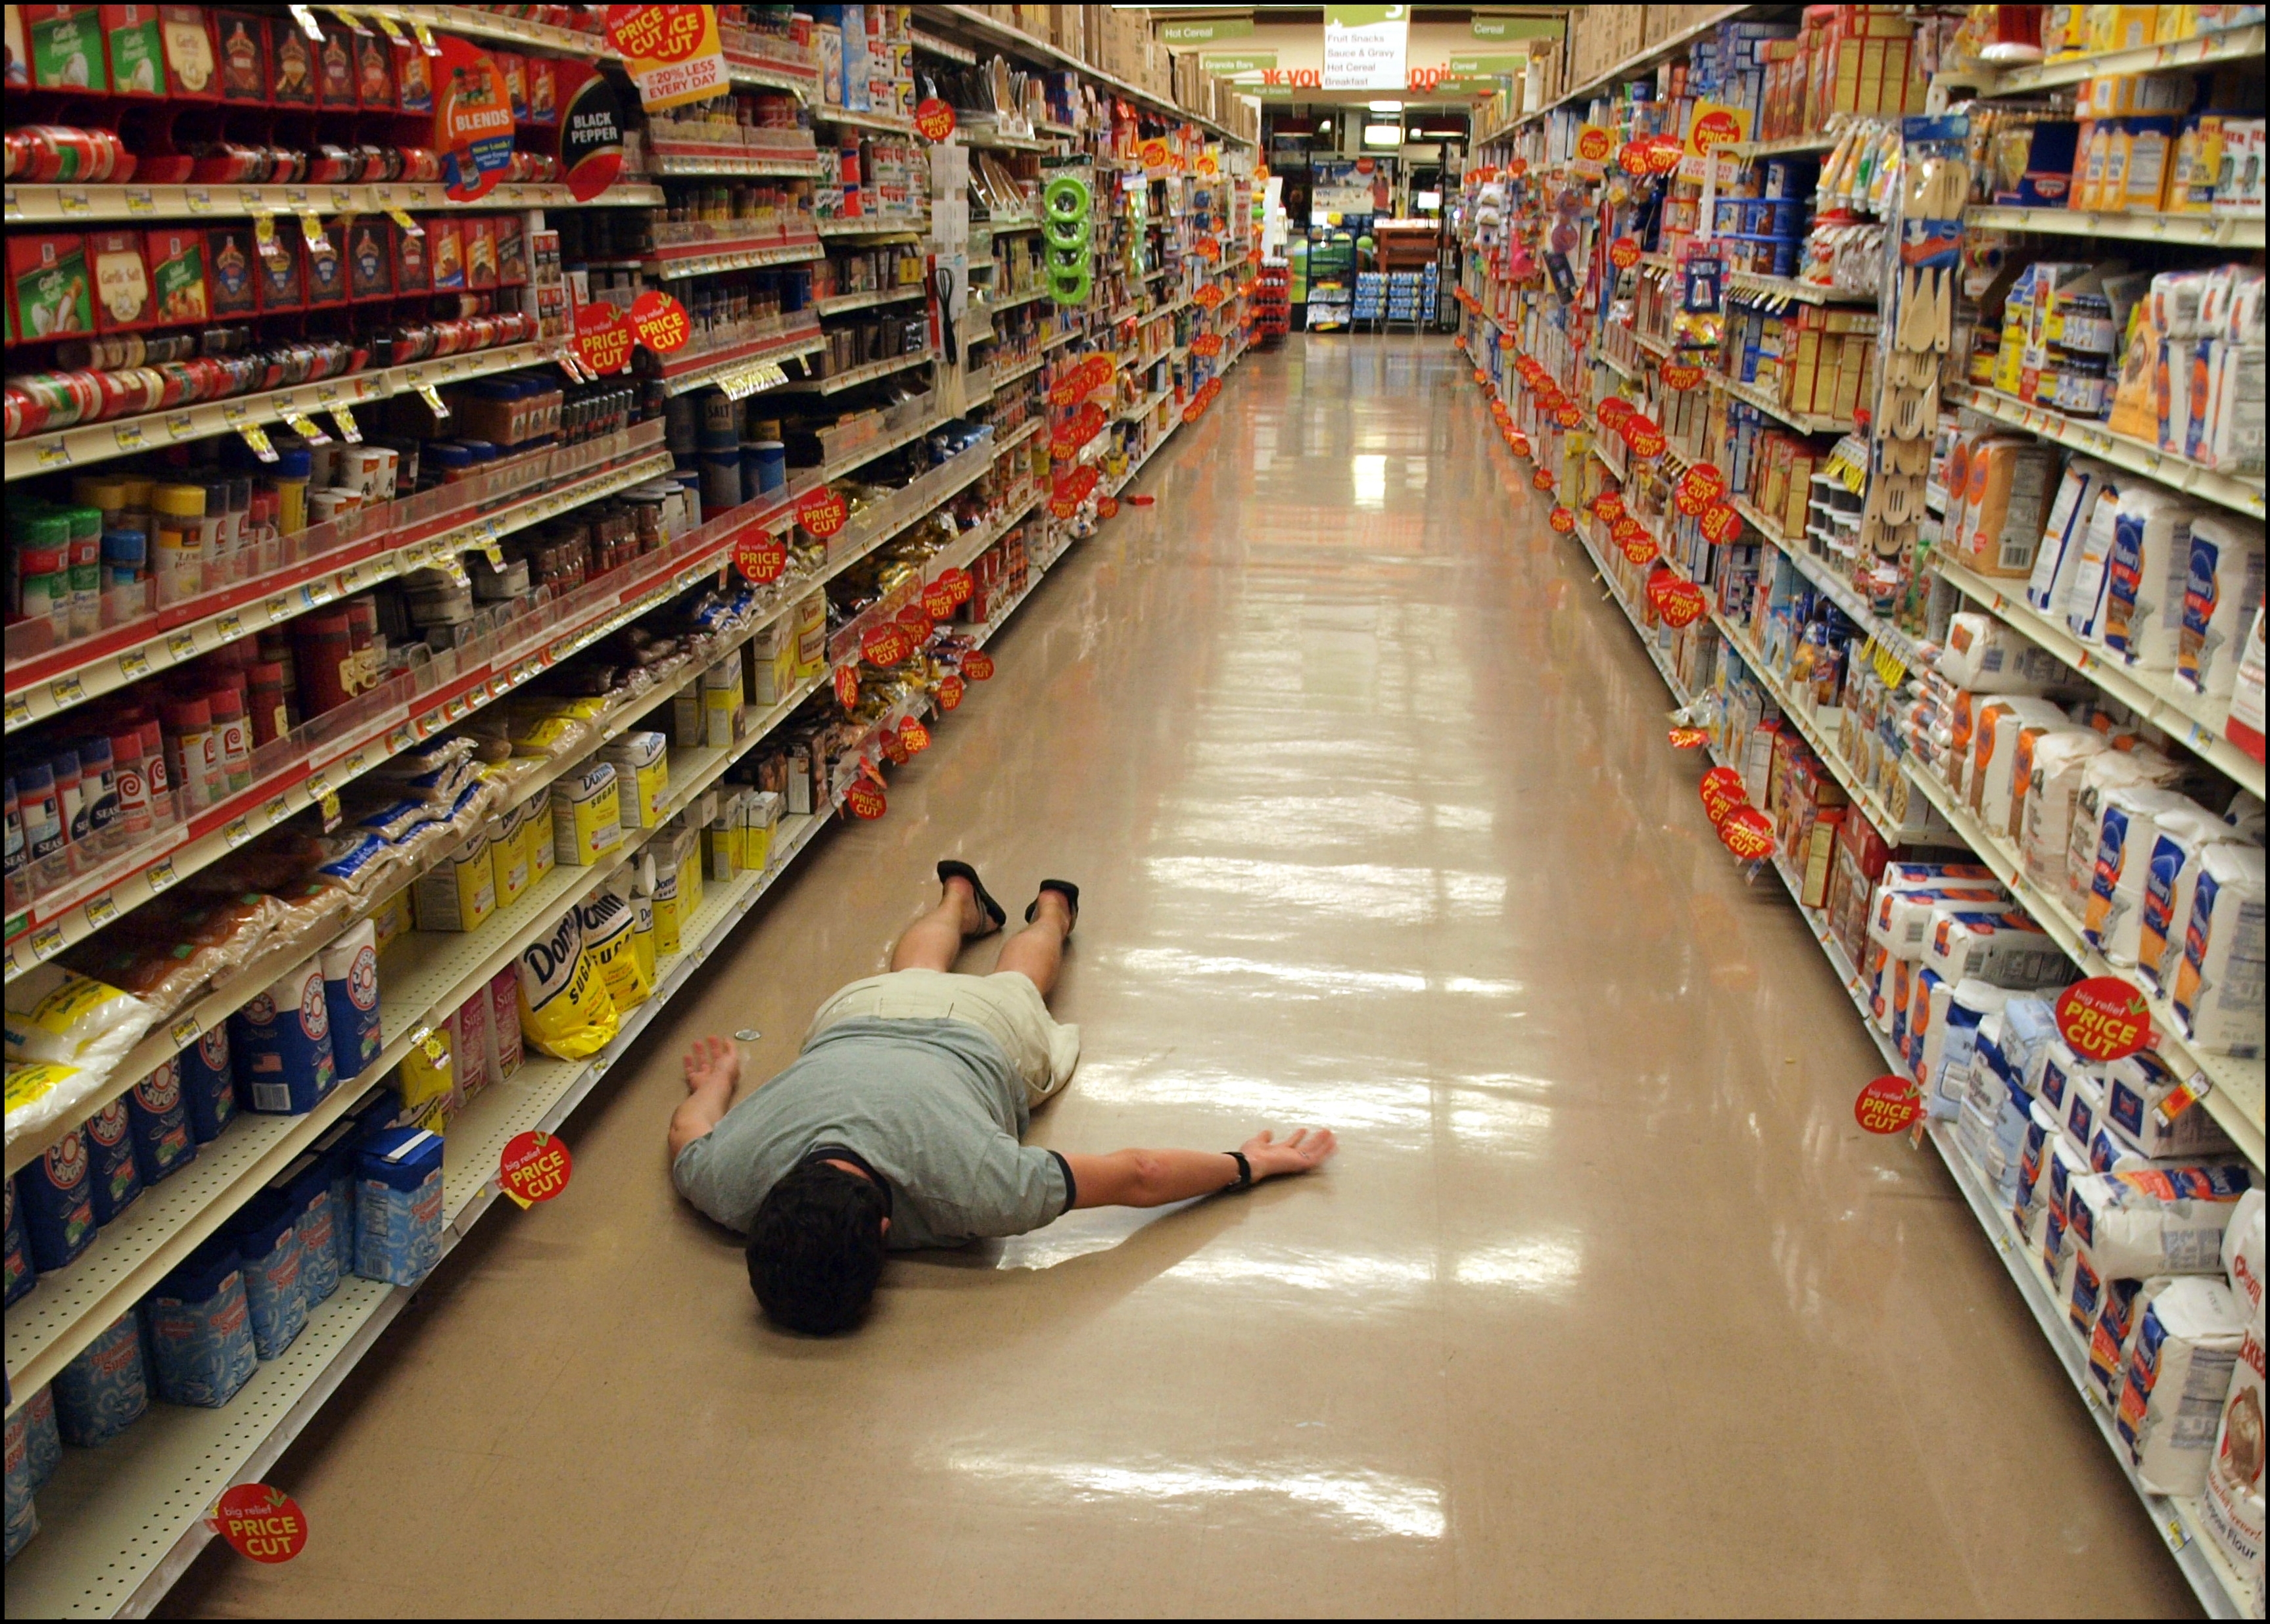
column 1065, row 31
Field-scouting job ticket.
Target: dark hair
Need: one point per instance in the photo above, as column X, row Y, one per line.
column 816, row 1249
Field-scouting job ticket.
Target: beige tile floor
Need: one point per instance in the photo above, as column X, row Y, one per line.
column 1607, row 1305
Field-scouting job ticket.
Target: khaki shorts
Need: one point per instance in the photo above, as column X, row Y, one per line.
column 1005, row 1005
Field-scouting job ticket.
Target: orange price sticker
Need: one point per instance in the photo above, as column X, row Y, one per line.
column 1701, row 486
column 950, row 690
column 1520, row 441
column 1641, row 434
column 1562, row 520
column 1623, row 253
column 1688, row 738
column 847, row 685
column 1609, row 505
column 1085, row 379
column 1887, row 1105
column 961, row 583
column 1517, row 167
column 535, row 1167
column 866, row 801
column 1640, row 549
column 1480, row 376
column 1153, row 153
column 1206, row 343
column 934, row 118
column 259, row 1522
column 822, row 511
column 1210, row 250
column 762, row 558
column 886, row 644
column 977, row 665
column 894, row 748
column 2103, row 1019
column 1209, row 297
column 1542, row 477
column 1505, row 341
column 1567, row 416
column 660, row 322
column 916, row 619
column 1613, row 411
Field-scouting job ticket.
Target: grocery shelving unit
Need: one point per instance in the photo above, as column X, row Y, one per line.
column 1901, row 799
column 121, row 1524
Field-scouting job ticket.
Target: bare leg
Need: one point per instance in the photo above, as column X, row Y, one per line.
column 1036, row 951
column 934, row 941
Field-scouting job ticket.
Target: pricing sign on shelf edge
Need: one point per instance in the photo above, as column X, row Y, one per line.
column 534, row 1167
column 2103, row 1019
column 822, row 511
column 259, row 1522
column 1887, row 1104
column 934, row 119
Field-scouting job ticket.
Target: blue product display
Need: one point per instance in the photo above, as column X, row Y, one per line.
column 113, row 1180
column 160, row 1119
column 336, row 1152
column 280, row 1045
column 57, row 1207
column 349, row 966
column 41, row 1437
column 201, row 1329
column 208, row 1085
column 105, row 1390
column 23, row 1521
column 21, row 1275
column 398, row 1205
column 305, row 1188
column 269, row 1254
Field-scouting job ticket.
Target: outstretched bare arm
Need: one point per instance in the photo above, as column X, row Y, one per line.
column 1155, row 1178
column 713, row 1067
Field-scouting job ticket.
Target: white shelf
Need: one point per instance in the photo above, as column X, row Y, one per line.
column 867, row 373
column 836, row 304
column 797, row 167
column 2218, row 231
column 2121, row 450
column 890, row 123
column 1781, row 290
column 99, row 442
column 727, row 256
column 29, row 204
column 1803, row 422
column 910, row 226
column 2175, row 57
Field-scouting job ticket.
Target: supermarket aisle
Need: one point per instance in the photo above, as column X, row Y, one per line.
column 1606, row 1305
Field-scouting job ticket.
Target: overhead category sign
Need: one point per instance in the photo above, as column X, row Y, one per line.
column 1489, row 27
column 1206, row 31
column 1365, row 47
column 1223, row 65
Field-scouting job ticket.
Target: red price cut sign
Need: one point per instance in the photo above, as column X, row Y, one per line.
column 914, row 738
column 977, row 665
column 1209, row 297
column 2103, row 1019
column 1680, row 376
column 1623, row 253
column 1503, row 412
column 1721, row 791
column 1608, row 505
column 1567, row 416
column 1108, row 508
column 535, row 1167
column 1206, row 343
column 1887, row 1105
column 660, row 322
column 1193, row 412
column 1682, row 604
column 1613, row 411
column 1084, row 380
column 961, row 583
column 1594, row 144
column 1505, row 342
column 1542, row 479
column 1663, row 154
column 937, row 600
column 1688, row 738
column 1517, row 167
column 1562, row 520
column 1643, row 436
column 1699, row 487
column 1153, row 153
column 822, row 511
column 1719, row 524
column 1074, row 484
column 886, row 644
column 894, row 749
column 1210, row 250
column 950, row 690
column 1632, row 158
column 1714, row 129
column 866, row 801
column 847, row 685
column 761, row 559
column 1077, row 430
column 934, row 119
column 1520, row 441
column 916, row 619
column 661, row 33
column 1748, row 834
column 603, row 337
column 259, row 1522
column 1639, row 548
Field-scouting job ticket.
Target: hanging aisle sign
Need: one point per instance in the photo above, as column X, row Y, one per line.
column 1365, row 47
column 672, row 52
column 591, row 128
column 472, row 121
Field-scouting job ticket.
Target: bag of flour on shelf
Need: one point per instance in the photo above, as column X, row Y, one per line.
column 2221, row 590
column 1987, row 656
column 2134, row 1090
column 2232, row 1507
column 2105, row 775
column 2045, row 822
column 2177, row 1377
column 2164, row 1222
column 2084, row 604
column 1901, row 919
column 2041, row 1133
column 2112, row 914
column 565, row 1008
column 2057, row 559
column 610, row 941
column 2068, row 1165
column 1927, row 998
column 2219, row 986
column 1947, row 1078
column 201, row 1329
column 2084, row 1288
column 105, row 1390
column 60, row 1018
column 280, row 1042
column 2004, row 947
column 2084, row 1103
column 2170, row 889
column 2144, row 577
column 2113, row 1338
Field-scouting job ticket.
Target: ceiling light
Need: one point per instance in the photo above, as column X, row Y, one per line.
column 1384, row 107
column 1383, row 135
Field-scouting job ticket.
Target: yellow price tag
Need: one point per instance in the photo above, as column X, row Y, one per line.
column 424, row 38
column 386, row 26
column 257, row 437
column 186, row 1031
column 264, row 236
column 331, row 804
column 305, row 428
column 432, row 397
column 348, row 432
column 312, row 228
column 401, row 217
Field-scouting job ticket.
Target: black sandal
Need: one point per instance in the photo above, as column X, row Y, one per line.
column 996, row 916
column 1063, row 888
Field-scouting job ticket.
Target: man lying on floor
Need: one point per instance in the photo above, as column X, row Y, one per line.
column 899, row 1124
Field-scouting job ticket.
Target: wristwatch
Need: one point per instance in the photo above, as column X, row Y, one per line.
column 1244, row 1171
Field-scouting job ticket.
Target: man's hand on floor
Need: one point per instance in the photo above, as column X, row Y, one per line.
column 1297, row 1153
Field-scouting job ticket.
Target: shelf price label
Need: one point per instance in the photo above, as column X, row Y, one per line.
column 950, row 692
column 1561, row 519
column 1887, row 1104
column 259, row 1522
column 865, row 801
column 1699, row 487
column 934, row 119
column 1748, row 834
column 977, row 665
column 1688, row 738
column 2103, row 1019
column 534, row 1167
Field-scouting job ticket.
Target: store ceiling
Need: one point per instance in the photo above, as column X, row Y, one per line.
column 1293, row 36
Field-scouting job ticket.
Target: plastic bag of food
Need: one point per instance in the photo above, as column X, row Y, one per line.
column 611, row 939
column 565, row 1008
column 58, row 1014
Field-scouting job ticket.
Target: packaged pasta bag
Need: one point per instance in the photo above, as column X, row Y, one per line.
column 565, row 1008
column 610, row 940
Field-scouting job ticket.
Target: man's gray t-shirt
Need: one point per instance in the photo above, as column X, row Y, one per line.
column 933, row 1106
